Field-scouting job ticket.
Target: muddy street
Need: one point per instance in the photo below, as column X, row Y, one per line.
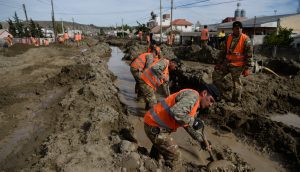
column 75, row 109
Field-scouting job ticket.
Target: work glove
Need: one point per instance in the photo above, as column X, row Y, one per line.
column 198, row 124
column 204, row 146
column 246, row 72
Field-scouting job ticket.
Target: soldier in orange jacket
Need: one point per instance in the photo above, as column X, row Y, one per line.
column 181, row 109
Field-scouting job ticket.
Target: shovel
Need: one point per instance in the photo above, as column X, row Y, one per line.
column 216, row 165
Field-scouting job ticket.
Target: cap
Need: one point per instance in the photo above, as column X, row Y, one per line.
column 211, row 89
column 237, row 24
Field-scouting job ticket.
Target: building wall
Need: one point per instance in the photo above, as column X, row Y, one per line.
column 291, row 22
column 183, row 28
column 4, row 35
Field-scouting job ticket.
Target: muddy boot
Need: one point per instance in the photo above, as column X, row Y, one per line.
column 236, row 97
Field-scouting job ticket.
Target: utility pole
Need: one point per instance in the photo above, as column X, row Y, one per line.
column 62, row 26
column 122, row 29
column 73, row 24
column 171, row 15
column 24, row 8
column 53, row 21
column 160, row 20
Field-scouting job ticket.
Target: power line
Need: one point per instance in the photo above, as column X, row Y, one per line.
column 219, row 3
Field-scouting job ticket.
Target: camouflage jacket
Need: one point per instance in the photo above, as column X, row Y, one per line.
column 185, row 101
column 159, row 68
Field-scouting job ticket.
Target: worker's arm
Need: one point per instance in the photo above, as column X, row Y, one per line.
column 185, row 101
column 248, row 52
column 194, row 134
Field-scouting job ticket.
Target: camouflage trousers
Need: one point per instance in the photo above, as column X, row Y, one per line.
column 219, row 74
column 136, row 75
column 165, row 146
column 149, row 95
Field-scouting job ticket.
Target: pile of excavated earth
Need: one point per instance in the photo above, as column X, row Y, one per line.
column 60, row 111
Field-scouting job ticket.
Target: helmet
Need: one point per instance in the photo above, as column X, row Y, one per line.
column 211, row 89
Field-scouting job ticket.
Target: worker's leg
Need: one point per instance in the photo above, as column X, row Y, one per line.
column 218, row 75
column 136, row 75
column 166, row 146
column 237, row 84
column 148, row 94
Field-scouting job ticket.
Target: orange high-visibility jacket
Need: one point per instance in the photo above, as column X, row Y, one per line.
column 150, row 78
column 161, row 116
column 46, row 42
column 60, row 39
column 140, row 61
column 33, row 41
column 77, row 37
column 66, row 36
column 204, row 34
column 236, row 58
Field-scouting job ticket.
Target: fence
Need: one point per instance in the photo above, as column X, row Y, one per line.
column 28, row 41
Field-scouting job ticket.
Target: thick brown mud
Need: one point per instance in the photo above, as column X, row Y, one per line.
column 227, row 146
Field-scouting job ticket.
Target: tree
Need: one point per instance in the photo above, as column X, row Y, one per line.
column 283, row 38
column 19, row 26
column 12, row 28
column 142, row 27
column 33, row 28
column 39, row 31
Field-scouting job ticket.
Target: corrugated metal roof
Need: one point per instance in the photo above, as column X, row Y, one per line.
column 259, row 21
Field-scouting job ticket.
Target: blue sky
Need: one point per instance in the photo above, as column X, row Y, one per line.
column 111, row 12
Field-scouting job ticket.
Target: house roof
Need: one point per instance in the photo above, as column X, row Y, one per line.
column 259, row 21
column 156, row 29
column 181, row 22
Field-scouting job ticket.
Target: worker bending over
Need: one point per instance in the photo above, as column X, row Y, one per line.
column 181, row 109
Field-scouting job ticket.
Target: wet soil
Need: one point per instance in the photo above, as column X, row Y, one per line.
column 62, row 109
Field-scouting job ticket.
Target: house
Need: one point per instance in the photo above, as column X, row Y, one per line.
column 261, row 26
column 182, row 25
column 4, row 33
column 265, row 24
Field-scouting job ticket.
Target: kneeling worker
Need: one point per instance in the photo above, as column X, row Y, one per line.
column 181, row 109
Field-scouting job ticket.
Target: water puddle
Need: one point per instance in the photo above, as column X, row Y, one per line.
column 190, row 151
column 288, row 119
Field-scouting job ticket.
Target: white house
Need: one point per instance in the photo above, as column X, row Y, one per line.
column 4, row 33
column 182, row 25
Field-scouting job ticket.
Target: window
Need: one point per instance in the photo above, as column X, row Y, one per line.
column 185, row 26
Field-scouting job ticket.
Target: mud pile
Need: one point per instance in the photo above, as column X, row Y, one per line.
column 263, row 95
column 207, row 55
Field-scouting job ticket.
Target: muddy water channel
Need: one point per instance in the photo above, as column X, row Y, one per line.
column 189, row 149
